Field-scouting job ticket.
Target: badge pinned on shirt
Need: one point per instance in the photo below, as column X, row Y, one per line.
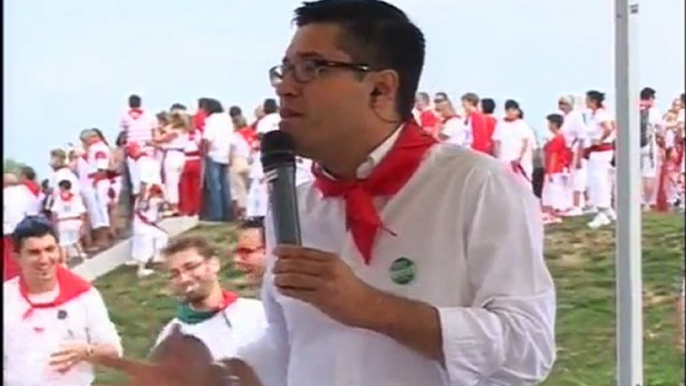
column 403, row 271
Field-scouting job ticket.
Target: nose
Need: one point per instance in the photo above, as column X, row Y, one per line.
column 288, row 87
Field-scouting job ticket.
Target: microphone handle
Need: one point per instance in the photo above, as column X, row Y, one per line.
column 284, row 203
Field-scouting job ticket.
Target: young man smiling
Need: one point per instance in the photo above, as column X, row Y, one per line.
column 56, row 325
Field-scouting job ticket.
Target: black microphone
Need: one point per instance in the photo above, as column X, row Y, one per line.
column 278, row 162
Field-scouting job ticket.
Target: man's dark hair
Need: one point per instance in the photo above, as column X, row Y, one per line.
column 511, row 104
column 135, row 101
column 596, row 96
column 471, row 98
column 45, row 184
column 28, row 173
column 202, row 102
column 377, row 34
column 235, row 111
column 488, row 106
column 178, row 106
column 183, row 244
column 213, row 106
column 32, row 226
column 556, row 119
column 647, row 94
column 64, row 184
column 270, row 106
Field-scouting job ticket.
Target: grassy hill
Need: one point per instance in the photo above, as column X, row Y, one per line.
column 581, row 261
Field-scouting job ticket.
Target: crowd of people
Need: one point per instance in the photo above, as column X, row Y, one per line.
column 207, row 163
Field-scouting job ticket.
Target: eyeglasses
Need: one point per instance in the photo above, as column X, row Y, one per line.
column 308, row 70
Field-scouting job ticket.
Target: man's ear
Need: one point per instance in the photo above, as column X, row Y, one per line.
column 215, row 265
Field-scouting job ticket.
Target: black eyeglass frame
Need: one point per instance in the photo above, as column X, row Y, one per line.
column 319, row 64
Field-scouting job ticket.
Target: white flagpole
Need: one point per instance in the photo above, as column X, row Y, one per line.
column 628, row 232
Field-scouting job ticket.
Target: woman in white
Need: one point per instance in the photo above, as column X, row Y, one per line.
column 514, row 141
column 453, row 129
column 601, row 134
column 240, row 166
column 172, row 142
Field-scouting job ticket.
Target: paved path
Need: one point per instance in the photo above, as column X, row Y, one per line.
column 108, row 260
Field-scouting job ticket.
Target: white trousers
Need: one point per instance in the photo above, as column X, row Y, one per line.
column 258, row 199
column 96, row 200
column 555, row 192
column 600, row 179
column 174, row 162
column 579, row 180
column 147, row 241
column 134, row 175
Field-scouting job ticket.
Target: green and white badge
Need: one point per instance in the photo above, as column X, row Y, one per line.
column 403, row 271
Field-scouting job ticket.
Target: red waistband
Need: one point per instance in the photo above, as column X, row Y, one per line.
column 601, row 147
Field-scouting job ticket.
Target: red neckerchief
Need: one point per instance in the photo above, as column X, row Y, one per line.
column 228, row 298
column 135, row 113
column 33, row 187
column 70, row 285
column 66, row 196
column 387, row 178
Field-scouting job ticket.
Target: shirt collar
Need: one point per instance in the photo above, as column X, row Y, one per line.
column 373, row 159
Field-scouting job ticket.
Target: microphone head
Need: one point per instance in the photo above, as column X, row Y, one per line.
column 277, row 148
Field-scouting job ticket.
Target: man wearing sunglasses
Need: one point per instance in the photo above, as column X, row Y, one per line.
column 421, row 263
column 56, row 325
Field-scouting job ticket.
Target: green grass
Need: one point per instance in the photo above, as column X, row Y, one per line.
column 581, row 261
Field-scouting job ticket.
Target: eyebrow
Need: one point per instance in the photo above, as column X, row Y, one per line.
column 305, row 55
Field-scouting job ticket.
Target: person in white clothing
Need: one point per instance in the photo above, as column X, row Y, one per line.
column 454, row 130
column 241, row 152
column 32, row 190
column 96, row 187
column 221, row 320
column 148, row 237
column 651, row 128
column 258, row 196
column 601, row 135
column 373, row 296
column 14, row 209
column 270, row 120
column 575, row 132
column 172, row 141
column 514, row 141
column 138, row 124
column 217, row 139
column 55, row 324
column 61, row 171
column 69, row 217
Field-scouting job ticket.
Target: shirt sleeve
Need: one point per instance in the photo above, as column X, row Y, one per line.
column 497, row 132
column 506, row 336
column 268, row 356
column 100, row 328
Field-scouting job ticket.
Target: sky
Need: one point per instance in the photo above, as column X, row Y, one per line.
column 71, row 64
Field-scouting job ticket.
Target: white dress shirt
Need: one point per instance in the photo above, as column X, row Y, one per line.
column 28, row 343
column 512, row 135
column 475, row 234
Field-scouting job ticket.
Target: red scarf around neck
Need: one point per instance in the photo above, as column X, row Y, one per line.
column 33, row 187
column 70, row 286
column 387, row 178
column 135, row 113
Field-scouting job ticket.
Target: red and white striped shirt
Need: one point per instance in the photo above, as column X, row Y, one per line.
column 138, row 126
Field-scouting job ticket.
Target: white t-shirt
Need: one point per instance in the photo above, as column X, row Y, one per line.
column 63, row 174
column 512, row 135
column 238, row 325
column 149, row 171
column 14, row 207
column 29, row 342
column 269, row 122
column 240, row 146
column 219, row 135
column 68, row 211
column 574, row 129
column 458, row 132
column 595, row 128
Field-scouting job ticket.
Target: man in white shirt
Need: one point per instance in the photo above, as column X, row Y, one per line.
column 55, row 324
column 217, row 138
column 219, row 318
column 651, row 126
column 422, row 263
column 270, row 120
column 575, row 132
column 138, row 124
column 515, row 141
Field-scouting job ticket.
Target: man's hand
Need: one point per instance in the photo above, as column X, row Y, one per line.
column 69, row 356
column 323, row 280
